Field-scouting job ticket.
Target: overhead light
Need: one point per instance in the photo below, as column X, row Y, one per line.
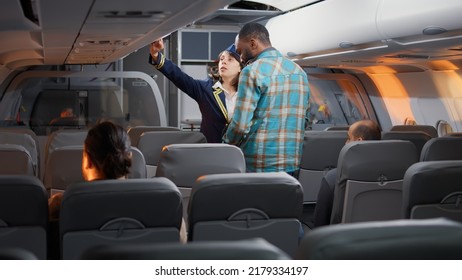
column 344, row 52
column 346, row 45
column 291, row 54
column 433, row 30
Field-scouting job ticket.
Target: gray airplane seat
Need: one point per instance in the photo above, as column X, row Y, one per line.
column 26, row 140
column 16, row 254
column 63, row 138
column 64, row 167
column 320, row 154
column 369, row 180
column 16, row 160
column 248, row 249
column 184, row 163
column 432, row 239
column 247, row 205
column 138, row 168
column 105, row 212
column 151, row 144
column 429, row 129
column 418, row 138
column 442, row 148
column 135, row 132
column 23, row 214
column 433, row 189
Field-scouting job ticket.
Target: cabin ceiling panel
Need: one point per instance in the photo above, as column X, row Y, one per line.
column 68, row 31
column 362, row 32
column 124, row 26
column 18, row 40
column 61, row 22
column 12, row 17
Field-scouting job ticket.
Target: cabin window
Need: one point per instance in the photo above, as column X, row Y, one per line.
column 336, row 100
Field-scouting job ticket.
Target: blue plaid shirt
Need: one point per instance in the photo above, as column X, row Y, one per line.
column 269, row 118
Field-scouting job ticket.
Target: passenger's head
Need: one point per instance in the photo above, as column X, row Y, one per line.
column 229, row 66
column 67, row 113
column 106, row 153
column 364, row 130
column 252, row 40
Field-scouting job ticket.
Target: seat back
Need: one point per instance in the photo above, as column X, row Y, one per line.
column 62, row 138
column 247, row 205
column 25, row 139
column 151, row 144
column 15, row 159
column 442, row 148
column 249, row 249
column 433, row 239
column 369, row 180
column 418, row 138
column 433, row 189
column 64, row 167
column 184, row 163
column 429, row 129
column 16, row 254
column 23, row 214
column 320, row 154
column 135, row 132
column 105, row 212
column 138, row 168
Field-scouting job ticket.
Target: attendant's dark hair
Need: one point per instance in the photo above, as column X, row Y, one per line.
column 256, row 31
column 108, row 147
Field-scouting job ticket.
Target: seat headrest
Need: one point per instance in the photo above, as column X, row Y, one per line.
column 88, row 205
column 324, row 146
column 386, row 240
column 15, row 159
column 135, row 132
column 62, row 138
column 151, row 143
column 442, row 148
column 429, row 182
column 24, row 140
column 277, row 194
column 418, row 138
column 370, row 160
column 429, row 129
column 23, row 201
column 63, row 167
column 247, row 249
column 184, row 163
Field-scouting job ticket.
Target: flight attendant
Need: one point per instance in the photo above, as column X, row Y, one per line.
column 216, row 96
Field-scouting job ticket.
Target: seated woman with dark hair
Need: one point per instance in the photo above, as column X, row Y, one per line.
column 106, row 155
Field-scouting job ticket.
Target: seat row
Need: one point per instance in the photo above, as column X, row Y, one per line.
column 322, row 149
column 20, row 153
column 144, row 211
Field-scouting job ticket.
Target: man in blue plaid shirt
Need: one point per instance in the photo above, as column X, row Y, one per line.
column 272, row 101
